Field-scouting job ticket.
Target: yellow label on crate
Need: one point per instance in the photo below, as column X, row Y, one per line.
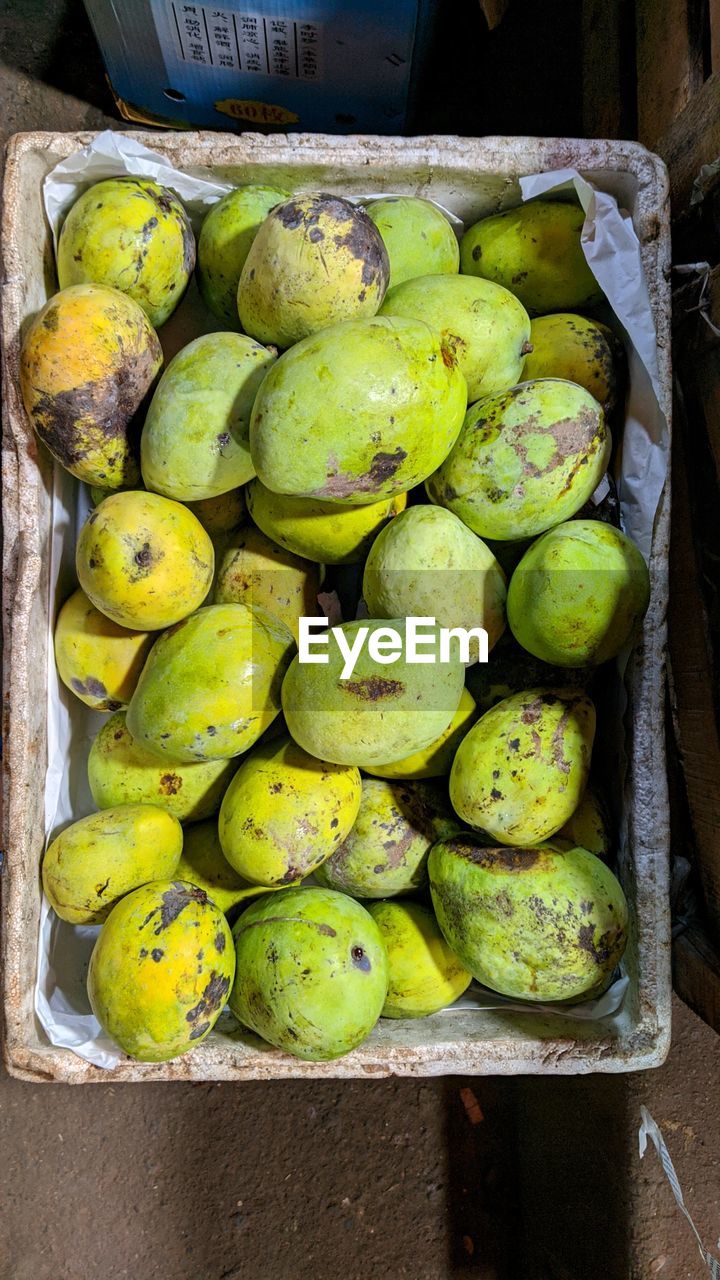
column 257, row 112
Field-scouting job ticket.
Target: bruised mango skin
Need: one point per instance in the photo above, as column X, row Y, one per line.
column 100, row 661
column 195, row 442
column 161, row 970
column 531, row 923
column 204, row 864
column 535, row 251
column 576, row 349
column 254, row 570
column 381, row 713
column 524, row 460
column 285, row 812
column 485, row 326
column 87, row 362
column 579, row 594
column 425, row 975
column 386, row 851
column 131, row 234
column 123, row 771
column 311, row 974
column 419, row 239
column 225, row 239
column 589, row 827
column 435, row 760
column 96, row 861
column 427, row 563
column 211, row 685
column 326, row 532
column 316, row 260
column 521, row 771
column 144, row 561
column 359, row 412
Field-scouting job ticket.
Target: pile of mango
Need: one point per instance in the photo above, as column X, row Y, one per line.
column 391, row 420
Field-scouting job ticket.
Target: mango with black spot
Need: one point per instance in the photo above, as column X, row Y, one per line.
column 143, row 560
column 576, row 349
column 161, row 970
column 94, row 862
column 254, row 570
column 378, row 713
column 99, row 660
column 325, row 532
column 521, row 771
column 211, row 685
column 204, row 864
column 312, row 972
column 87, row 362
column 123, row 771
column 225, row 239
column 195, row 442
column 362, row 411
column 525, row 460
column 386, row 851
column 531, row 923
column 535, row 251
column 131, row 234
column 285, row 812
column 316, row 259
column 425, row 974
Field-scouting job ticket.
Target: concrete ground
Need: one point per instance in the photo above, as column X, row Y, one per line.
column 431, row 1179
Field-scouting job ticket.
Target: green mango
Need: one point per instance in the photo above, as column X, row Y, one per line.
column 311, row 973
column 133, row 235
column 359, row 412
column 195, row 442
column 204, row 864
column 532, row 923
column 225, row 239
column 534, row 251
column 211, row 685
column 524, row 460
column 419, row 239
column 521, row 771
column 161, row 970
column 484, row 326
column 425, row 975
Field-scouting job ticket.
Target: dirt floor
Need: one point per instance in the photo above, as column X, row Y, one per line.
column 426, row 1179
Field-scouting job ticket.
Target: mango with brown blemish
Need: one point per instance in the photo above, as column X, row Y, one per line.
column 131, row 234
column 378, row 713
column 99, row 660
column 427, row 563
column 254, row 570
column 161, row 970
column 535, row 251
column 204, row 864
column 326, row 532
column 435, row 760
column 88, row 360
column 285, row 812
column 316, row 260
column 485, row 326
column 195, row 444
column 419, row 238
column 123, row 771
column 211, row 685
column 513, row 669
column 143, row 560
column 576, row 349
column 531, row 923
column 225, row 239
column 94, row 862
column 521, row 771
column 311, row 974
column 362, row 411
column 425, row 975
column 386, row 851
column 524, row 460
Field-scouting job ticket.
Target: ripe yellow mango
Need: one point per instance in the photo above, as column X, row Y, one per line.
column 254, row 570
column 99, row 660
column 326, row 532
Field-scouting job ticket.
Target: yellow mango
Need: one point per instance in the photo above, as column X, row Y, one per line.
column 254, row 570
column 99, row 660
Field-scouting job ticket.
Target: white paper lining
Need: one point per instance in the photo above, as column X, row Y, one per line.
column 611, row 248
